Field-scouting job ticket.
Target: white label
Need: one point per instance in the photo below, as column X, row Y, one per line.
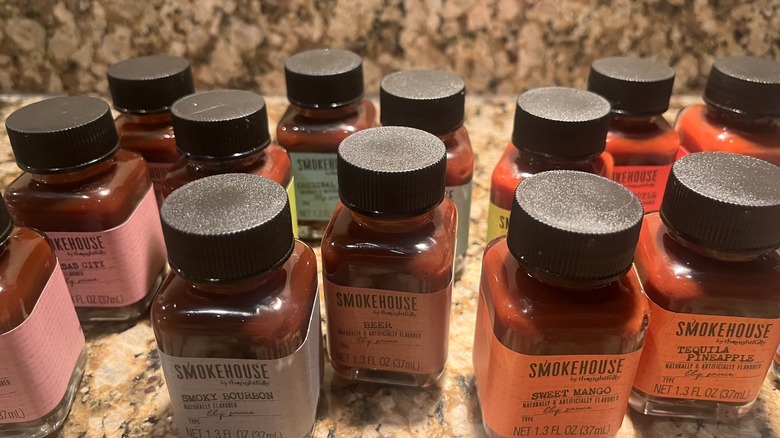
column 461, row 196
column 316, row 185
column 244, row 397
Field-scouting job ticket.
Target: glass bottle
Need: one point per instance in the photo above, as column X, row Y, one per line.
column 561, row 317
column 143, row 90
column 325, row 90
column 226, row 131
column 41, row 342
column 554, row 128
column 741, row 113
column 434, row 100
column 387, row 258
column 93, row 200
column 238, row 317
column 708, row 264
column 641, row 142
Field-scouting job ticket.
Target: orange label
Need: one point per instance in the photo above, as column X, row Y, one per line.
column 554, row 395
column 703, row 357
column 646, row 182
column 387, row 330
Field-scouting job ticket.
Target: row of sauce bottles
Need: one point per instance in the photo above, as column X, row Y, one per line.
column 560, row 304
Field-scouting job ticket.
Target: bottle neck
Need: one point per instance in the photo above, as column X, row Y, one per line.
column 628, row 121
column 568, row 284
column 268, row 282
column 76, row 176
column 722, row 256
column 329, row 113
column 392, row 225
column 447, row 138
column 149, row 119
column 738, row 120
column 530, row 159
column 238, row 165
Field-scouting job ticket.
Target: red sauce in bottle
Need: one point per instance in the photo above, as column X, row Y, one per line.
column 555, row 128
column 92, row 199
column 641, row 142
column 325, row 90
column 741, row 113
column 242, row 298
column 708, row 264
column 561, row 316
column 143, row 90
column 434, row 101
column 387, row 258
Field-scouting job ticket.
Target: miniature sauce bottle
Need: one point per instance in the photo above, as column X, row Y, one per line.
column 387, row 258
column 434, row 101
column 708, row 264
column 93, row 200
column 325, row 90
column 41, row 342
column 641, row 142
column 226, row 131
column 555, row 128
column 238, row 317
column 561, row 317
column 741, row 113
column 143, row 90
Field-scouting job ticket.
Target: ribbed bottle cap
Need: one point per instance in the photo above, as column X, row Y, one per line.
column 561, row 122
column 324, row 78
column 724, row 202
column 149, row 84
column 574, row 226
column 227, row 227
column 431, row 100
column 220, row 125
column 633, row 86
column 746, row 85
column 62, row 134
column 6, row 223
column 391, row 171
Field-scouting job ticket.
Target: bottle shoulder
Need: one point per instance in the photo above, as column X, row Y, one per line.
column 307, row 130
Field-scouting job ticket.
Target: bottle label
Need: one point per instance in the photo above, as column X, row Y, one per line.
column 646, row 182
column 293, row 207
column 388, row 330
column 115, row 267
column 158, row 171
column 498, row 222
column 461, row 197
column 552, row 395
column 247, row 397
column 704, row 357
column 38, row 357
column 317, row 184
column 681, row 152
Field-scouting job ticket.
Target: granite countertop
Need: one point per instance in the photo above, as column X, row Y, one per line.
column 123, row 392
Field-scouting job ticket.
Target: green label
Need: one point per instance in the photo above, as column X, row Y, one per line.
column 316, row 185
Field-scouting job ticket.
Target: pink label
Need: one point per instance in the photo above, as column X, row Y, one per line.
column 214, row 397
column 646, row 182
column 39, row 355
column 158, row 171
column 116, row 267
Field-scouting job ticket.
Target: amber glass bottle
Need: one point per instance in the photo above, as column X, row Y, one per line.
column 641, row 142
column 387, row 258
column 41, row 342
column 143, row 90
column 561, row 316
column 555, row 128
column 434, row 101
column 741, row 113
column 237, row 321
column 708, row 263
column 325, row 90
column 93, row 200
column 226, row 131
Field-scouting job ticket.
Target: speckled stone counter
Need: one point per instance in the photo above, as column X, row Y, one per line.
column 123, row 392
column 497, row 46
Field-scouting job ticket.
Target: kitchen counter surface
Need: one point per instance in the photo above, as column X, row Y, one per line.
column 123, row 392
